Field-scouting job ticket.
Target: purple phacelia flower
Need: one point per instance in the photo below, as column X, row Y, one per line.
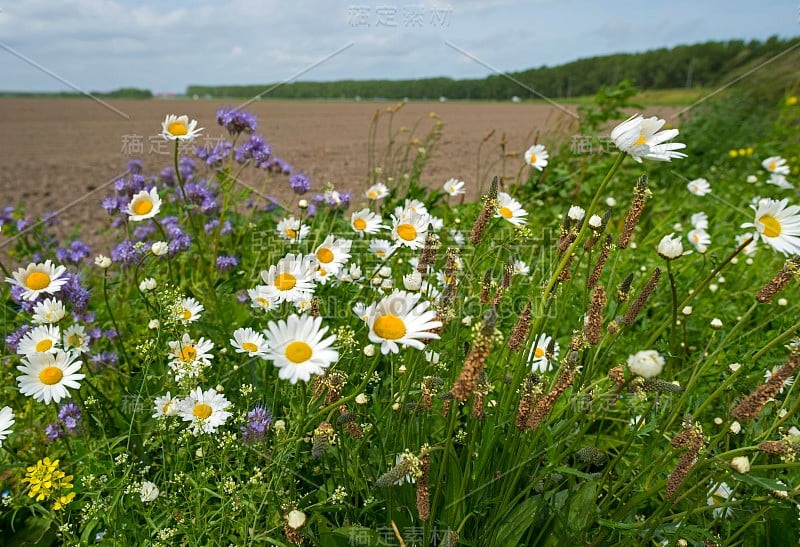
column 236, row 121
column 226, row 263
column 134, row 165
column 127, row 253
column 300, row 183
column 258, row 421
column 12, row 340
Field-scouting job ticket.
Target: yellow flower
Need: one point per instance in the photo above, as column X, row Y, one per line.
column 47, row 481
column 733, row 153
column 63, row 501
column 791, row 101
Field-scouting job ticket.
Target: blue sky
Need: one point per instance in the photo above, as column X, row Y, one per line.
column 166, row 45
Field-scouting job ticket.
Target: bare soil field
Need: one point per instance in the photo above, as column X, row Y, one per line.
column 61, row 154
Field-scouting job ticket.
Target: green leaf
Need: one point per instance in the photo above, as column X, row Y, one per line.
column 518, row 521
column 582, row 506
column 762, row 482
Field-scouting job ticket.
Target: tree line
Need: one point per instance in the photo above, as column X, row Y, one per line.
column 686, row 66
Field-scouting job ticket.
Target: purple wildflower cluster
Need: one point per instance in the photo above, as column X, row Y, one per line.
column 75, row 253
column 333, row 199
column 226, row 263
column 258, row 421
column 128, row 253
column 236, row 121
column 69, row 422
column 300, row 183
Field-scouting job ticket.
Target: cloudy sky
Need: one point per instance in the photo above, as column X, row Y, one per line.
column 165, row 45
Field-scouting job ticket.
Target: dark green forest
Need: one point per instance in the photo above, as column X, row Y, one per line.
column 688, row 66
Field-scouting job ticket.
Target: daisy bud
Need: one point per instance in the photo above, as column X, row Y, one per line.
column 687, row 310
column 716, row 323
column 752, row 179
column 718, row 420
column 102, row 261
column 387, row 284
column 361, row 398
column 147, row 284
column 412, row 281
column 611, row 202
column 385, row 271
column 153, row 324
column 369, row 350
column 148, row 492
column 783, row 302
column 733, row 367
column 735, row 428
column 303, row 204
column 296, row 519
column 670, row 247
column 741, row 464
column 647, row 363
column 159, row 248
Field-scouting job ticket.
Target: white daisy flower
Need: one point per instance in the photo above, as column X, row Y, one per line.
column 366, row 222
column 719, row 495
column 700, row 239
column 289, row 279
column 778, row 225
column 189, row 357
column 510, row 209
column 145, row 204
column 179, row 128
column 670, row 247
column 74, row 338
column 641, row 138
column 363, row 311
column 454, row 187
column 377, row 191
column 520, row 268
column 102, row 261
column 261, row 298
column 751, row 247
column 409, row 230
column 190, row 310
column 248, row 341
column 776, row 164
column 205, row 410
column 39, row 278
column 46, row 376
column 292, row 229
column 6, row 421
column 401, row 318
column 166, row 405
column 537, row 357
column 435, row 223
column 699, row 221
column 42, row 339
column 458, row 237
column 298, row 349
column 381, row 248
column 410, row 207
column 536, row 156
column 333, row 253
column 699, row 187
column 50, row 310
column 776, row 179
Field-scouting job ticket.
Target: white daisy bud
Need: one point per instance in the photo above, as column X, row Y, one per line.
column 387, row 284
column 611, row 201
column 733, row 367
column 735, row 428
column 718, row 420
column 716, row 323
column 148, row 492
column 687, row 310
column 576, row 213
column 355, row 272
column 153, row 324
column 159, row 248
column 303, row 204
column 147, row 284
column 741, row 464
column 361, row 399
column 783, row 302
column 670, row 247
column 385, row 271
column 296, row 519
column 369, row 350
column 102, row 261
column 402, row 369
column 713, row 287
column 752, row 179
column 646, row 363
column 412, row 281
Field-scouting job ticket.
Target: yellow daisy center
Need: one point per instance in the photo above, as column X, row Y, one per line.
column 407, row 232
column 202, row 411
column 373, row 194
column 44, row 345
column 505, row 212
column 298, row 352
column 389, row 327
column 322, row 271
column 772, row 166
column 325, row 255
column 177, row 129
column 772, row 228
column 533, row 159
column 641, row 140
column 37, row 281
column 263, row 301
column 360, row 224
column 285, row 282
column 249, row 346
column 51, row 375
column 186, row 314
column 291, row 233
column 538, row 352
column 165, row 410
column 188, row 354
column 75, row 340
column 380, row 252
column 142, row 207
